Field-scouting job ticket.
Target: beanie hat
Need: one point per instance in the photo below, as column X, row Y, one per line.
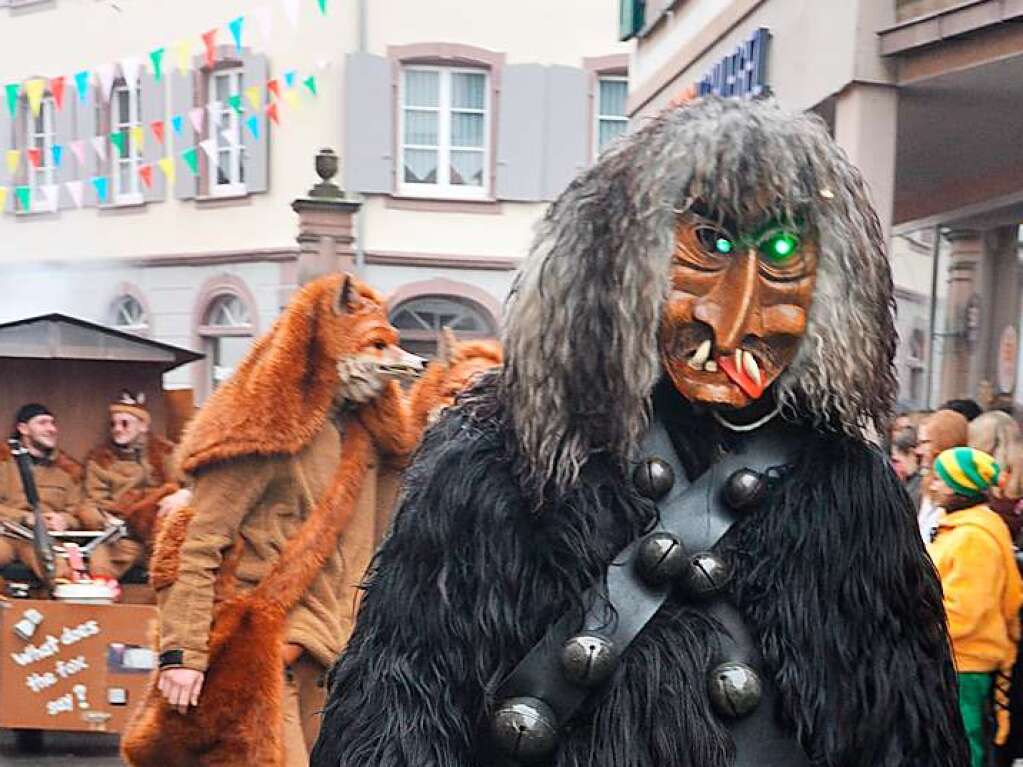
column 27, row 412
column 967, row 471
column 131, row 404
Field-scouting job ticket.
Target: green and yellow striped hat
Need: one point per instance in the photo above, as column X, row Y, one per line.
column 967, row 471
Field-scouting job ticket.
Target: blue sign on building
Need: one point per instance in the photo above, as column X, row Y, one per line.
column 742, row 74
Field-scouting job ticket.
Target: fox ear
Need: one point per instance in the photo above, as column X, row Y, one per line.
column 344, row 296
column 446, row 347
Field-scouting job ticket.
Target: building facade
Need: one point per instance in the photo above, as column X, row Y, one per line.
column 159, row 202
column 925, row 97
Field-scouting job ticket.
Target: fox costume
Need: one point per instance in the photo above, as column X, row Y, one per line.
column 295, row 450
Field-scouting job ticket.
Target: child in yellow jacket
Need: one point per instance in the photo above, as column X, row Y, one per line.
column 972, row 550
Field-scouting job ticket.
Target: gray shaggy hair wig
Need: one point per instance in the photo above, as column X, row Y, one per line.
column 581, row 327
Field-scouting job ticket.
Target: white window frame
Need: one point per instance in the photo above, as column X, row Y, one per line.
column 43, row 175
column 230, row 121
column 118, row 312
column 598, row 115
column 133, row 194
column 443, row 188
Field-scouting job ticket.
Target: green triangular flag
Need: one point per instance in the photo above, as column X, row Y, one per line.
column 117, row 138
column 191, row 160
column 157, row 58
column 12, row 97
column 310, row 83
column 235, row 102
column 323, row 6
column 24, row 197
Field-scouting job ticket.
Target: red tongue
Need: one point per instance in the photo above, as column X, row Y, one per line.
column 739, row 377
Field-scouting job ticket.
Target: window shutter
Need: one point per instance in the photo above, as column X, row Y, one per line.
column 255, row 71
column 85, row 129
column 152, row 108
column 631, row 17
column 520, row 132
column 368, row 158
column 6, row 142
column 182, row 100
column 64, row 134
column 566, row 124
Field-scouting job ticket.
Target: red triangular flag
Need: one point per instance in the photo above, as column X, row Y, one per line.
column 146, row 174
column 157, row 126
column 271, row 112
column 35, row 155
column 57, row 89
column 209, row 40
column 273, row 87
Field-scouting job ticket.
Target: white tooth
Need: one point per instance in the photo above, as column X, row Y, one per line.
column 752, row 368
column 737, row 359
column 693, row 365
column 710, row 366
column 701, row 354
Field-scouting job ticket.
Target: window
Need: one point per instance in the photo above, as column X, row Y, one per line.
column 228, row 177
column 420, row 320
column 611, row 119
column 129, row 315
column 444, row 132
column 124, row 115
column 40, row 132
column 631, row 16
column 226, row 333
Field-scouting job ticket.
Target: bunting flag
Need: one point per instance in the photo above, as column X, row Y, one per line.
column 12, row 97
column 78, row 147
column 235, row 102
column 195, row 116
column 235, row 25
column 24, row 194
column 130, row 68
column 146, row 174
column 209, row 39
column 310, row 83
column 253, row 123
column 34, row 90
column 119, row 139
column 254, row 93
column 292, row 97
column 274, row 87
column 35, row 156
column 209, row 146
column 100, row 145
column 264, row 18
column 177, row 123
column 156, row 59
column 289, row 78
column 271, row 113
column 213, row 113
column 183, row 54
column 13, row 158
column 157, row 127
column 57, row 89
column 105, row 74
column 138, row 137
column 82, row 84
column 291, row 11
column 57, row 151
column 101, row 185
column 167, row 166
column 323, row 6
column 3, row 198
column 74, row 188
column 191, row 160
column 52, row 194
column 231, row 137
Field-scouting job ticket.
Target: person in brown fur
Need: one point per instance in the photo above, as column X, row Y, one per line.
column 292, row 461
column 130, row 476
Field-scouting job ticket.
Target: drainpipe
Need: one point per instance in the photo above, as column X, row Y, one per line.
column 360, row 217
column 935, row 253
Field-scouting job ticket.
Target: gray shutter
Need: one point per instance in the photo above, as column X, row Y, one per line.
column 85, row 129
column 153, row 107
column 182, row 99
column 368, row 156
column 6, row 142
column 567, row 120
column 255, row 71
column 64, row 124
column 520, row 132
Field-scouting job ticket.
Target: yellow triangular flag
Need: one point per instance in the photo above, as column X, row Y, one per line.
column 183, row 54
column 3, row 198
column 13, row 155
column 254, row 94
column 138, row 136
column 167, row 166
column 292, row 97
column 34, row 88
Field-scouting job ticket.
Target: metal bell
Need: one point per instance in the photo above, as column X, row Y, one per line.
column 654, row 477
column 588, row 659
column 707, row 576
column 744, row 489
column 525, row 729
column 661, row 558
column 735, row 689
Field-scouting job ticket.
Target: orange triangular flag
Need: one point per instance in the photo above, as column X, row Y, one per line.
column 157, row 127
column 209, row 39
column 57, row 89
column 35, row 156
column 146, row 174
column 271, row 112
column 274, row 87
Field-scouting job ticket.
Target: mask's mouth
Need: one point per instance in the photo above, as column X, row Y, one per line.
column 743, row 367
column 412, row 367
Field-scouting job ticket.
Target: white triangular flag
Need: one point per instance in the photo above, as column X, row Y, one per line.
column 265, row 21
column 99, row 143
column 50, row 192
column 130, row 68
column 230, row 137
column 291, row 11
column 74, row 188
column 209, row 146
column 195, row 115
column 215, row 110
column 106, row 75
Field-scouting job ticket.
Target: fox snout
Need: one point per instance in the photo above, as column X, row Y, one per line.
column 399, row 363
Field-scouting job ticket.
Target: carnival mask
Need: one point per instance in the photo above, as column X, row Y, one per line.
column 737, row 308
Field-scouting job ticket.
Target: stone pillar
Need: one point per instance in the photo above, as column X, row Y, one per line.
column 326, row 225
column 961, row 327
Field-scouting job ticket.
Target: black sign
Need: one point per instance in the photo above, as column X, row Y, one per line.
column 743, row 74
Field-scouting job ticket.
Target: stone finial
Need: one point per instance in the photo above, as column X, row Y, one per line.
column 327, row 164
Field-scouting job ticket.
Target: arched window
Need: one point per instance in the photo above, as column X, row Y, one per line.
column 420, row 320
column 128, row 314
column 226, row 332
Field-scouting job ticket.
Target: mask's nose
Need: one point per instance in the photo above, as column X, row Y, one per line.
column 732, row 307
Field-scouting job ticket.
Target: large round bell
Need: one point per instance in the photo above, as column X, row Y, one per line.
column 588, row 659
column 708, row 574
column 525, row 729
column 735, row 689
column 661, row 558
column 654, row 477
column 744, row 489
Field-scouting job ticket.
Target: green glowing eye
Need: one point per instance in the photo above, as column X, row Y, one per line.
column 723, row 245
column 780, row 247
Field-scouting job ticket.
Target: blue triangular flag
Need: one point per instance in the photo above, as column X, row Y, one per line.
column 100, row 183
column 235, row 25
column 289, row 78
column 82, row 84
column 177, row 121
column 253, row 123
column 58, row 154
